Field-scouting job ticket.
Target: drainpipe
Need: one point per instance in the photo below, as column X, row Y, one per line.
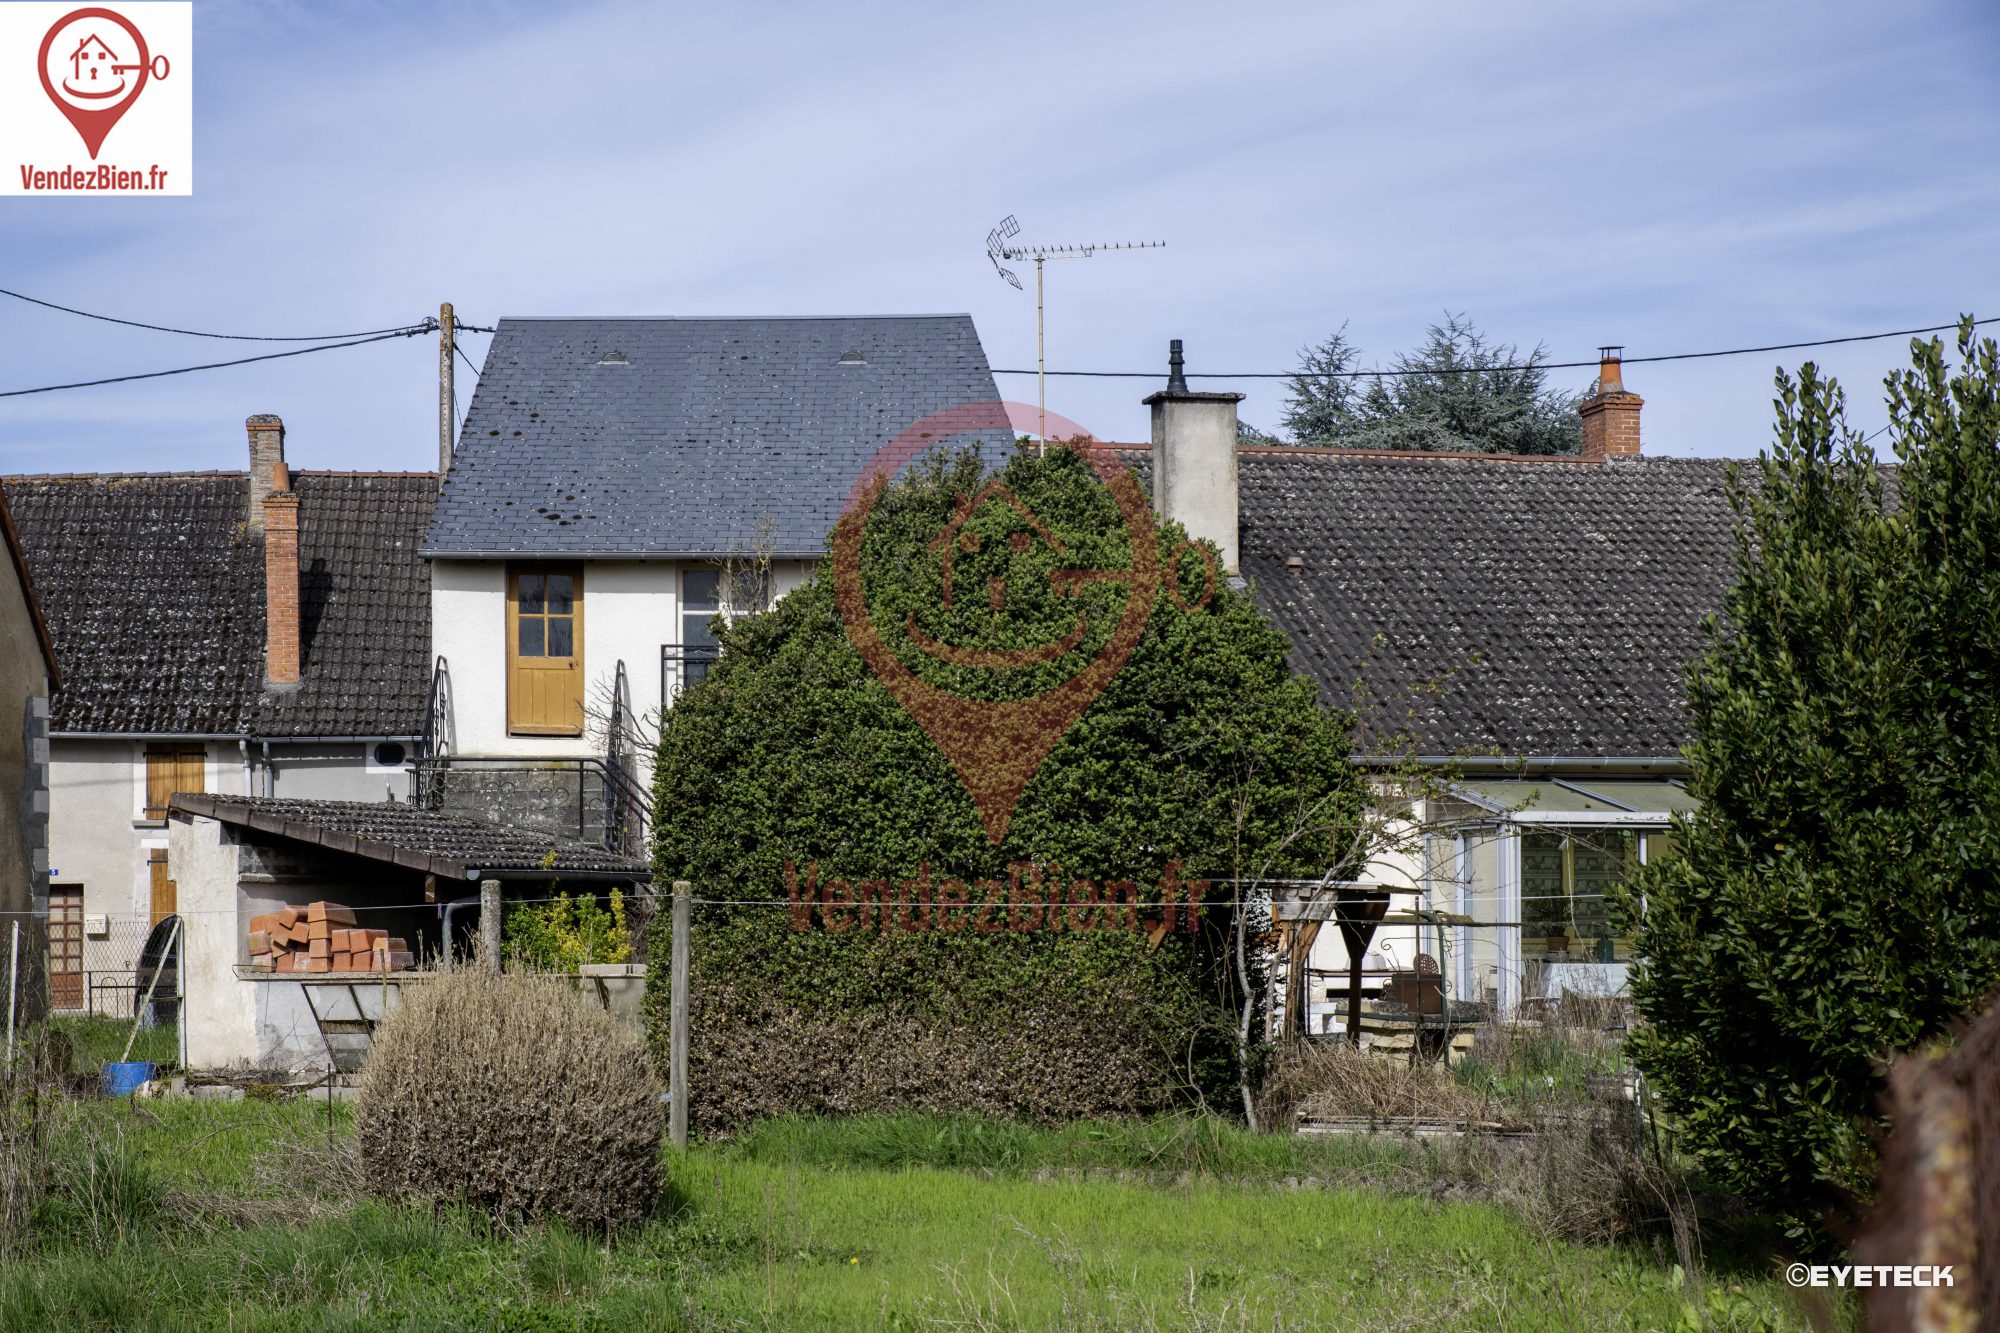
column 249, row 777
column 270, row 773
column 449, row 908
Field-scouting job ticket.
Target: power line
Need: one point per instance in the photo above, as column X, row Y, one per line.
column 196, row 333
column 1483, row 370
column 218, row 365
column 461, row 351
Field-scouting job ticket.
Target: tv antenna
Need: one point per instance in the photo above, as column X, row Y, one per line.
column 998, row 247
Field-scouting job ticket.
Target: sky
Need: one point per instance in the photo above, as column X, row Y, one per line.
column 1674, row 177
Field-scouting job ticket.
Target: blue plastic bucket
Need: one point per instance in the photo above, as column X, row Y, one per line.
column 123, row 1077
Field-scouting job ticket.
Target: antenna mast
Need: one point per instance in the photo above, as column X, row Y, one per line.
column 997, row 249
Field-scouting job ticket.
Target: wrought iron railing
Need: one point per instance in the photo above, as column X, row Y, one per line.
column 435, row 747
column 592, row 798
column 627, row 811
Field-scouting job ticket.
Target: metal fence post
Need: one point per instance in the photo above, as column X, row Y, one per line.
column 677, row 1065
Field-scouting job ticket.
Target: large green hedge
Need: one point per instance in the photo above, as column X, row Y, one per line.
column 1204, row 751
column 1837, row 898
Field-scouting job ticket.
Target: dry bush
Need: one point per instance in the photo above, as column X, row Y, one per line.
column 1323, row 1080
column 1592, row 1181
column 1058, row 1057
column 515, row 1095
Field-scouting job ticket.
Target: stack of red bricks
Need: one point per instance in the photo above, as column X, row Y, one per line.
column 323, row 937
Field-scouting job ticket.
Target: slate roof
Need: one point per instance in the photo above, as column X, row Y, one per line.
column 450, row 846
column 1557, row 601
column 153, row 587
column 720, row 437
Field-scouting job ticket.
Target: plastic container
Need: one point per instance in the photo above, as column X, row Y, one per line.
column 122, row 1078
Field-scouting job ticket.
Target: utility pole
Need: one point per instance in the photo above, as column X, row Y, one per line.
column 997, row 249
column 1041, row 365
column 447, row 409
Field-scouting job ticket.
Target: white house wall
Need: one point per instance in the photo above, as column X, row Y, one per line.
column 99, row 837
column 337, row 772
column 630, row 610
column 218, row 1011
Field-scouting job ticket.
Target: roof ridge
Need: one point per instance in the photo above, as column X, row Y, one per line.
column 695, row 319
column 123, row 476
column 1439, row 455
column 338, row 472
column 192, row 475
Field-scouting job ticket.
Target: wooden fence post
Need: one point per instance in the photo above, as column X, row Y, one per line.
column 677, row 1071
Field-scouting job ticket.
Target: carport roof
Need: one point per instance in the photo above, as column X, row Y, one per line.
column 449, row 846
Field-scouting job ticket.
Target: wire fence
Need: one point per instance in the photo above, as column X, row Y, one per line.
column 103, row 976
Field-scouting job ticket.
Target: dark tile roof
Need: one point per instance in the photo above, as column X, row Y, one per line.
column 1558, row 602
column 721, row 437
column 17, row 560
column 450, row 846
column 153, row 586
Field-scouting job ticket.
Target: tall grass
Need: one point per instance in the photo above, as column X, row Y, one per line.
column 1170, row 1146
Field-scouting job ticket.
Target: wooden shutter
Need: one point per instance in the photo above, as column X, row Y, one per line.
column 166, row 894
column 172, row 768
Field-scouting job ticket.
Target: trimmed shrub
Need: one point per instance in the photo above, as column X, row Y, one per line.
column 514, row 1095
column 1205, row 755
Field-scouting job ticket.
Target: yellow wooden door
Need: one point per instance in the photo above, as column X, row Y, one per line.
column 166, row 893
column 545, row 650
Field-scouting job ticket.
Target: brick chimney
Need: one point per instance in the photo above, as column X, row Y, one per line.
column 267, row 455
column 280, row 509
column 1194, row 459
column 1611, row 414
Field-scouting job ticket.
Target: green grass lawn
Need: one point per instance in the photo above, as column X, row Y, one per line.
column 187, row 1215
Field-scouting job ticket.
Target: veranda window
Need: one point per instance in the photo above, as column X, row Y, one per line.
column 1567, row 876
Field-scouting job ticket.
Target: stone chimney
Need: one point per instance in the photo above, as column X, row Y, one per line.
column 1194, row 459
column 267, row 455
column 1611, row 414
column 280, row 509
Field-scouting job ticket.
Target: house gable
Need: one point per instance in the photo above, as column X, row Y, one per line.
column 691, row 438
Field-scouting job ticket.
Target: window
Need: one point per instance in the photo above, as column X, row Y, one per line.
column 1565, row 878
column 546, row 625
column 688, row 658
column 390, row 754
column 172, row 768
